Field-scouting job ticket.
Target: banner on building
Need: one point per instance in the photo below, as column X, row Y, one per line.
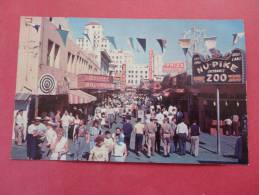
column 222, row 70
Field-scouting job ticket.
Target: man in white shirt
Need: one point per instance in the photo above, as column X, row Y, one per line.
column 160, row 117
column 182, row 132
column 65, row 123
column 50, row 137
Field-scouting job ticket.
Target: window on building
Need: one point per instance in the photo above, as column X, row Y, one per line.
column 50, row 53
column 56, row 56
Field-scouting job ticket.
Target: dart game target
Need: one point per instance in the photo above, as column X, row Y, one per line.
column 47, row 84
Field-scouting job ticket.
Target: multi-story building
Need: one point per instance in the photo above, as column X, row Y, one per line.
column 48, row 65
column 95, row 42
column 136, row 73
column 120, row 57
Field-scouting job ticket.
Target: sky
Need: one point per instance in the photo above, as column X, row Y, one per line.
column 170, row 30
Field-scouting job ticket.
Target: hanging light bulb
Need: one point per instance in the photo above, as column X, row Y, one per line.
column 226, row 103
column 237, row 103
column 214, row 103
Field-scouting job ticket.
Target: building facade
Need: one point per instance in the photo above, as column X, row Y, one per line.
column 135, row 74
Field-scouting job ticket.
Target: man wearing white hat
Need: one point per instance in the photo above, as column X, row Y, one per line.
column 50, row 137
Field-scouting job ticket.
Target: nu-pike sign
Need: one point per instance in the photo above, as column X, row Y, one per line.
column 227, row 69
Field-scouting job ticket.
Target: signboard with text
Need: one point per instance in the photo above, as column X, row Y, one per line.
column 174, row 67
column 94, row 78
column 227, row 69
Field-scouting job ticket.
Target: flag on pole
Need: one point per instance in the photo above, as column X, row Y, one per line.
column 142, row 43
column 162, row 43
column 210, row 42
column 63, row 34
column 237, row 37
column 112, row 41
column 131, row 44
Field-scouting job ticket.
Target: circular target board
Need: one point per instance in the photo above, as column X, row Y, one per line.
column 47, row 84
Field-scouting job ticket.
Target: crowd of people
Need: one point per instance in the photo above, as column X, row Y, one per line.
column 107, row 135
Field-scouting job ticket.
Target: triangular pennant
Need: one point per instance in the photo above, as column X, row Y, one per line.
column 162, row 44
column 185, row 50
column 36, row 26
column 142, row 43
column 112, row 41
column 87, row 37
column 63, row 34
column 234, row 38
column 237, row 37
column 131, row 44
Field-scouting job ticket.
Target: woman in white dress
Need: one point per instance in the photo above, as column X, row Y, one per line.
column 59, row 147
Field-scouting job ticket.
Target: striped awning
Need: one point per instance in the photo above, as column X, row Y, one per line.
column 80, row 97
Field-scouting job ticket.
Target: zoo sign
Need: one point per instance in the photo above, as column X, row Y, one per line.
column 227, row 69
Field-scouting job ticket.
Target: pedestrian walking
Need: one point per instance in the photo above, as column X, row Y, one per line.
column 50, row 137
column 194, row 132
column 119, row 150
column 150, row 131
column 166, row 130
column 127, row 130
column 19, row 128
column 65, row 123
column 139, row 132
column 94, row 131
column 174, row 136
column 31, row 141
column 158, row 138
column 59, row 147
column 81, row 138
column 99, row 151
column 109, row 143
column 182, row 132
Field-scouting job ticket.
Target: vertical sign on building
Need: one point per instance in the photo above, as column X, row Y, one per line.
column 123, row 77
column 151, row 63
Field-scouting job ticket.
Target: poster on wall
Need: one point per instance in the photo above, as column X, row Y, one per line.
column 130, row 91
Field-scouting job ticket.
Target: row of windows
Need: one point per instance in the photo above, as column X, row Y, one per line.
column 136, row 76
column 132, row 71
column 132, row 81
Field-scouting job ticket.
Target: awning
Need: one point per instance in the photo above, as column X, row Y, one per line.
column 22, row 96
column 80, row 97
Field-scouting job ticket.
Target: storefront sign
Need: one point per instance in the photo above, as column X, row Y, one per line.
column 150, row 66
column 174, row 67
column 227, row 69
column 95, row 85
column 94, row 78
column 123, row 77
